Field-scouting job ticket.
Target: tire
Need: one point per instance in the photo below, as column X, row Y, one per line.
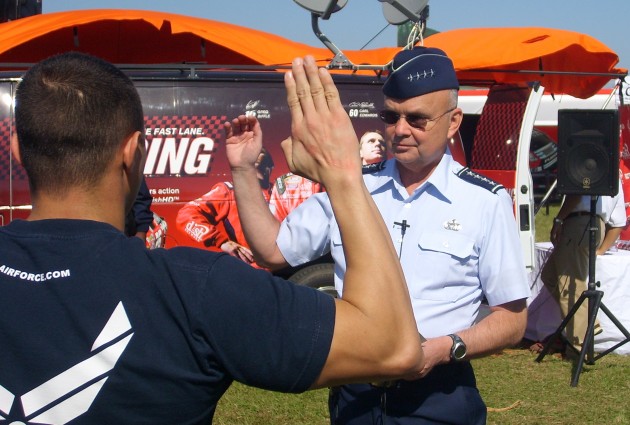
column 318, row 276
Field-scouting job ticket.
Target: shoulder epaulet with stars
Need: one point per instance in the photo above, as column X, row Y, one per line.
column 372, row 168
column 478, row 180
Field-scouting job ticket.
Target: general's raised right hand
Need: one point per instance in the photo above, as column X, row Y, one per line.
column 243, row 142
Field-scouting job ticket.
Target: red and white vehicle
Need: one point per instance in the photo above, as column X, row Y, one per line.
column 191, row 79
column 543, row 152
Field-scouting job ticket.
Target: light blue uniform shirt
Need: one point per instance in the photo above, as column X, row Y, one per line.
column 461, row 244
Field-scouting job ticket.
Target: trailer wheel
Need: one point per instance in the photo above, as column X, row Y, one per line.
column 318, row 276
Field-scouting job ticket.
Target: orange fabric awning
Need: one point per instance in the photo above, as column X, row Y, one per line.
column 144, row 37
column 148, row 37
column 524, row 54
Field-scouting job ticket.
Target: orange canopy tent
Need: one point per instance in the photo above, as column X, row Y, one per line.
column 483, row 55
column 144, row 37
column 563, row 61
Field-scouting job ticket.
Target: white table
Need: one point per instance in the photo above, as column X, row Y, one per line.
column 612, row 270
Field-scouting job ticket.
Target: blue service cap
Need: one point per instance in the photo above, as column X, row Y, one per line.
column 419, row 71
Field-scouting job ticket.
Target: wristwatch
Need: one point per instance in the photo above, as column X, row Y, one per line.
column 458, row 349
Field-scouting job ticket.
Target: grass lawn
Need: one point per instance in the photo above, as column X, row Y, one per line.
column 516, row 389
column 544, row 221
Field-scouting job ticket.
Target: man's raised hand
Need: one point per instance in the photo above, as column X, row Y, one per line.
column 243, row 141
column 323, row 143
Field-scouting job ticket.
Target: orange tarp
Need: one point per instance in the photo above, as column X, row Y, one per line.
column 144, row 37
column 529, row 49
column 147, row 37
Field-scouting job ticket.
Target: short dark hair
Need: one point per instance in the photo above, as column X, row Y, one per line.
column 267, row 160
column 72, row 112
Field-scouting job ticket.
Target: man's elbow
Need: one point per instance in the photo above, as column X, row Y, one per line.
column 411, row 361
column 406, row 361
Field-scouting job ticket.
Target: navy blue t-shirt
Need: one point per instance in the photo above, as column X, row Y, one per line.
column 95, row 328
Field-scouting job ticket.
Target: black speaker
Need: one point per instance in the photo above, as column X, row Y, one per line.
column 588, row 152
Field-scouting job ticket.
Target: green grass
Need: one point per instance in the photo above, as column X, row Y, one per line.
column 544, row 221
column 243, row 405
column 516, row 389
column 541, row 392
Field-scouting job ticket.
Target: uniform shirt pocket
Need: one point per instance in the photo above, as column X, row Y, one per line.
column 444, row 266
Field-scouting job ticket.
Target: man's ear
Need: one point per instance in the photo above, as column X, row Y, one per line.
column 132, row 150
column 15, row 148
column 456, row 120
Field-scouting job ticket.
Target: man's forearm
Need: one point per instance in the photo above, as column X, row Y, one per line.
column 259, row 225
column 503, row 327
column 611, row 236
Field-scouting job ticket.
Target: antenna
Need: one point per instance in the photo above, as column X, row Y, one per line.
column 398, row 12
column 395, row 11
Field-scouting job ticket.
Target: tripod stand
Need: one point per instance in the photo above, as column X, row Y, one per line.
column 594, row 297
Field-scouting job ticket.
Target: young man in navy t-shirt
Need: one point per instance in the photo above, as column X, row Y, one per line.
column 95, row 328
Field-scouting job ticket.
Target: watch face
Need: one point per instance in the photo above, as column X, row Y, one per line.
column 459, row 351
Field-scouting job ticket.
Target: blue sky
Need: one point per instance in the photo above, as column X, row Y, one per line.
column 360, row 20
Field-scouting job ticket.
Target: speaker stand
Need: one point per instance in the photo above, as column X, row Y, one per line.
column 594, row 298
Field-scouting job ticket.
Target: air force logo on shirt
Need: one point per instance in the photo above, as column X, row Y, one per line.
column 70, row 394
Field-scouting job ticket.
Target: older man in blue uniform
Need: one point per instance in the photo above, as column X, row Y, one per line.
column 456, row 237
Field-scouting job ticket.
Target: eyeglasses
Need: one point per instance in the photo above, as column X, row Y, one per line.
column 416, row 121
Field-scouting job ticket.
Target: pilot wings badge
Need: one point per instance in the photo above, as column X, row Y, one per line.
column 452, row 225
